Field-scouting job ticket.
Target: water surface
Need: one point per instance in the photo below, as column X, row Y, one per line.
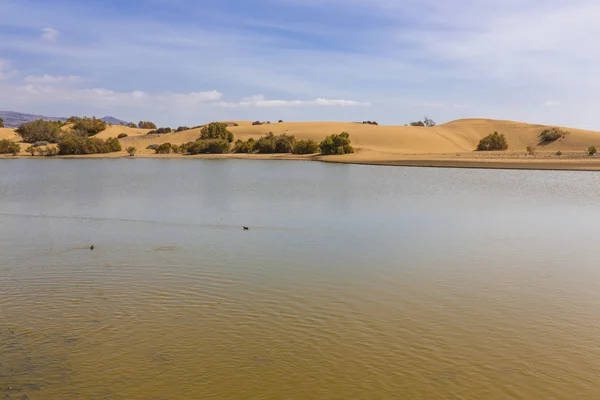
column 352, row 282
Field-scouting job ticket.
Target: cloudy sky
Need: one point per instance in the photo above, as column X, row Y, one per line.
column 190, row 61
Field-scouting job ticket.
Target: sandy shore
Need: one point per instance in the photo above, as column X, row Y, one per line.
column 448, row 145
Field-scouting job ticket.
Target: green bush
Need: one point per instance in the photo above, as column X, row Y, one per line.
column 244, row 147
column 131, row 125
column 9, row 147
column 122, row 135
column 336, row 144
column 40, row 130
column 592, row 150
column 493, row 142
column 271, row 143
column 559, row 153
column 146, row 125
column 131, row 150
column 164, row 148
column 80, row 145
column 160, row 131
column 91, row 126
column 182, row 128
column 208, row 146
column 551, row 135
column 31, row 150
column 305, row 147
column 216, row 130
column 48, row 151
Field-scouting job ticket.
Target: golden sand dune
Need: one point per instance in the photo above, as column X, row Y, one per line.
column 391, row 144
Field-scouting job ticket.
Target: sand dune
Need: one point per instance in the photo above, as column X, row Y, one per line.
column 384, row 144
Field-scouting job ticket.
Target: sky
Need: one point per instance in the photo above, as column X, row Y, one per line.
column 187, row 62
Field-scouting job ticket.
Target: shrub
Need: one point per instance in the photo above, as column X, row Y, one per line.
column 131, row 125
column 78, row 145
column 370, row 123
column 122, row 135
column 257, row 123
column 40, row 130
column 280, row 121
column 175, row 149
column 559, row 153
column 244, row 147
column 236, row 124
column 531, row 150
column 271, row 143
column 493, row 142
column 131, row 151
column 336, row 144
column 1, row 123
column 160, row 131
column 592, row 150
column 146, row 125
column 216, row 130
column 208, row 146
column 48, row 151
column 31, row 150
column 164, row 148
column 91, row 126
column 428, row 122
column 305, row 147
column 551, row 135
column 9, row 147
column 182, row 128
column 152, row 146
column 417, row 123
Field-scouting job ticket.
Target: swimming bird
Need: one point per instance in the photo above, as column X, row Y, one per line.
column 92, row 247
column 246, row 228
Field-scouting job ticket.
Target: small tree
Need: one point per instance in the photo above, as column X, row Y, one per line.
column 131, row 125
column 1, row 123
column 9, row 147
column 91, row 126
column 244, row 147
column 216, row 130
column 559, row 153
column 146, row 125
column 336, row 144
column 31, row 150
column 40, row 130
column 131, row 151
column 592, row 150
column 208, row 146
column 429, row 122
column 551, row 135
column 164, row 148
column 493, row 142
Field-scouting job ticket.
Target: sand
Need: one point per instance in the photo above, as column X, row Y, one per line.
column 446, row 145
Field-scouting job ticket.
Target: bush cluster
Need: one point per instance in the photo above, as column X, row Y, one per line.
column 208, row 146
column 131, row 150
column 160, row 131
column 551, row 135
column 244, row 147
column 306, row 147
column 262, row 123
column 336, row 144
column 40, row 130
column 9, row 147
column 493, row 142
column 370, row 123
column 271, row 143
column 592, row 150
column 77, row 145
column 89, row 126
column 122, row 135
column 164, row 148
column 182, row 128
column 417, row 123
column 216, row 130
column 146, row 125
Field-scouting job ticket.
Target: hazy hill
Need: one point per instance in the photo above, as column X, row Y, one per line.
column 13, row 119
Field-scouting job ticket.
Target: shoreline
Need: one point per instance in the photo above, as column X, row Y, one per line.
column 493, row 161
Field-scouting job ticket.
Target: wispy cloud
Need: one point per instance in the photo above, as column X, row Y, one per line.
column 52, row 79
column 5, row 69
column 49, row 34
column 261, row 101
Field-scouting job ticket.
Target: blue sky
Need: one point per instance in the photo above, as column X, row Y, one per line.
column 182, row 62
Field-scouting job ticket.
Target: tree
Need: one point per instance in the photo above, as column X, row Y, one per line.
column 551, row 135
column 428, row 122
column 305, row 147
column 40, row 130
column 73, row 144
column 208, row 146
column 336, row 144
column 31, row 150
column 244, row 147
column 164, row 148
column 89, row 126
column 9, row 147
column 216, row 130
column 592, row 150
column 271, row 143
column 1, row 123
column 131, row 125
column 131, row 151
column 146, row 125
column 493, row 142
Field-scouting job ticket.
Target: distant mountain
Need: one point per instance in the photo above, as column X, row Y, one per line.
column 113, row 120
column 13, row 119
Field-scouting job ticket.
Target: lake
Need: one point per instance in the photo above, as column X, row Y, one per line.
column 353, row 282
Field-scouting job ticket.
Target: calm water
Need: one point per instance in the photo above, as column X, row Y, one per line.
column 353, row 282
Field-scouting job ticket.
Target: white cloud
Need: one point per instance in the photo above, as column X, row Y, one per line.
column 261, row 101
column 52, row 79
column 49, row 34
column 5, row 69
column 552, row 103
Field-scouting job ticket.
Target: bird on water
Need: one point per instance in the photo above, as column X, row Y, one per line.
column 246, row 228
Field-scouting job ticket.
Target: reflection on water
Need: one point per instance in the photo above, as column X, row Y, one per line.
column 352, row 282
